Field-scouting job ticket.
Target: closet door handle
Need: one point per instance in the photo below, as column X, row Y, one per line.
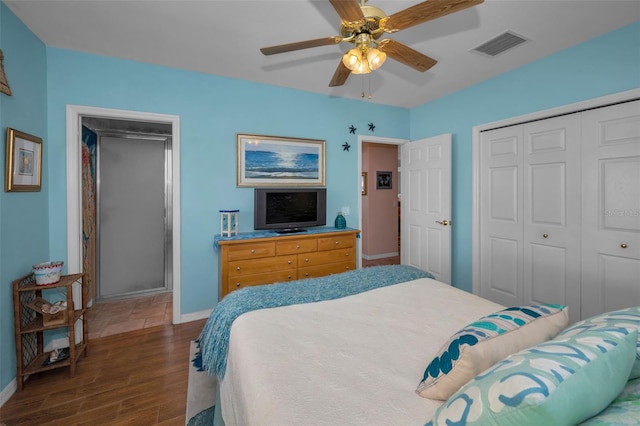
column 545, row 235
column 623, row 245
column 444, row 222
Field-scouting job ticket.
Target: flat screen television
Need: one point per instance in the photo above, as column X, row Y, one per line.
column 287, row 210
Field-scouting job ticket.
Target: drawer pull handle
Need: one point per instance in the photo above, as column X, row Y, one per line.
column 289, row 262
column 298, row 246
column 347, row 267
column 346, row 254
column 545, row 235
column 337, row 242
column 306, row 260
column 289, row 277
column 237, row 284
column 306, row 274
column 237, row 268
column 252, row 251
column 623, row 245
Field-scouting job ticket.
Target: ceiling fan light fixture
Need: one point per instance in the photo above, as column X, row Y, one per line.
column 361, row 68
column 352, row 58
column 376, row 58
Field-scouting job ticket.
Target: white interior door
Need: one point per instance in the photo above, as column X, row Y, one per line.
column 501, row 216
column 552, row 224
column 426, row 206
column 611, row 208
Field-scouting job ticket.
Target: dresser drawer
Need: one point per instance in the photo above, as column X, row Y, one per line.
column 328, row 269
column 329, row 256
column 241, row 281
column 296, row 246
column 335, row 242
column 262, row 265
column 251, row 251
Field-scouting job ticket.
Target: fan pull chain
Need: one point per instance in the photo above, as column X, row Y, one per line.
column 362, row 94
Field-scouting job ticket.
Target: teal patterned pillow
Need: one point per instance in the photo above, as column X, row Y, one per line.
column 560, row 382
column 627, row 318
column 624, row 410
column 486, row 341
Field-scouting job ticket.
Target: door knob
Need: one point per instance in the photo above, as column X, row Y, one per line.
column 444, row 222
column 623, row 245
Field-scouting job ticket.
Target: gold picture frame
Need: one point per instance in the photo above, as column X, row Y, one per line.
column 363, row 183
column 280, row 162
column 23, row 162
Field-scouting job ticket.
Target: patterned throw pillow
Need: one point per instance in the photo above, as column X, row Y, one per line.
column 563, row 381
column 482, row 343
column 624, row 410
column 627, row 318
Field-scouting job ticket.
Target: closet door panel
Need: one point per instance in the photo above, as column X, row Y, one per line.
column 611, row 208
column 501, row 216
column 552, row 226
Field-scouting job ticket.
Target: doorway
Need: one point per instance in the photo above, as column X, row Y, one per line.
column 132, row 236
column 75, row 234
column 380, row 201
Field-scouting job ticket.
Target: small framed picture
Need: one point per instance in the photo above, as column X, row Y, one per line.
column 363, row 183
column 23, row 162
column 384, row 180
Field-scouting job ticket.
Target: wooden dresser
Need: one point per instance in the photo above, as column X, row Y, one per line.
column 276, row 258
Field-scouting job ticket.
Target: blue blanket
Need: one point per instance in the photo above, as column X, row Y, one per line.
column 214, row 338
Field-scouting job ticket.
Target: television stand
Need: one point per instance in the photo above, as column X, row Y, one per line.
column 290, row 230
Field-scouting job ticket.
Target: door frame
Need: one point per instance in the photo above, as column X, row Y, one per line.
column 538, row 115
column 362, row 139
column 74, row 115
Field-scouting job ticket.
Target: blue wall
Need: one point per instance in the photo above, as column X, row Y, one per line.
column 24, row 217
column 212, row 110
column 599, row 67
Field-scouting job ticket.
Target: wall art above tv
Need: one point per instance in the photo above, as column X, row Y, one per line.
column 280, row 162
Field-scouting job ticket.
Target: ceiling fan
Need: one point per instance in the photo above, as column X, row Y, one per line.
column 363, row 25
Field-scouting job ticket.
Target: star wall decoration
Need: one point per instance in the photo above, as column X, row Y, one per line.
column 352, row 129
column 372, row 127
column 346, row 146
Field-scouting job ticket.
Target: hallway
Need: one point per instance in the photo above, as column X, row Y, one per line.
column 120, row 316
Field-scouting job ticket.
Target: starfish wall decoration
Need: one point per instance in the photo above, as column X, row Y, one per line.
column 372, row 127
column 352, row 129
column 346, row 146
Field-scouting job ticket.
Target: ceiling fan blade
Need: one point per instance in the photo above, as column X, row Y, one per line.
column 299, row 45
column 348, row 10
column 426, row 11
column 340, row 76
column 406, row 55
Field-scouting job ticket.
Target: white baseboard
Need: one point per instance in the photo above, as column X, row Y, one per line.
column 195, row 316
column 379, row 256
column 8, row 391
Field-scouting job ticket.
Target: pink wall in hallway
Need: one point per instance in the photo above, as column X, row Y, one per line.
column 380, row 206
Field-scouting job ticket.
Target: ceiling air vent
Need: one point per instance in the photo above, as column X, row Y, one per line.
column 500, row 44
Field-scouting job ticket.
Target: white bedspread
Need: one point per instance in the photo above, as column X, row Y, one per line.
column 350, row 361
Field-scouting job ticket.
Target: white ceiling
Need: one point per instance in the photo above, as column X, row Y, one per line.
column 224, row 37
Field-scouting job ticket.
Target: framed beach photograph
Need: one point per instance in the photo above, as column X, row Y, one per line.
column 280, row 162
column 383, row 180
column 23, row 162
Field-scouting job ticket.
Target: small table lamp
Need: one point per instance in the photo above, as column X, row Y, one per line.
column 229, row 222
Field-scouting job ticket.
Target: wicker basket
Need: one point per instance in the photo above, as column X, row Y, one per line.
column 47, row 272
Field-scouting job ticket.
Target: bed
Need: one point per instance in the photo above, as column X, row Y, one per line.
column 356, row 348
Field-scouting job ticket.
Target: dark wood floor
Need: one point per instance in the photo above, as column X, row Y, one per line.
column 135, row 378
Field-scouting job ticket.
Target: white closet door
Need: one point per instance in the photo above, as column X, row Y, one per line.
column 501, row 216
column 611, row 208
column 551, row 240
